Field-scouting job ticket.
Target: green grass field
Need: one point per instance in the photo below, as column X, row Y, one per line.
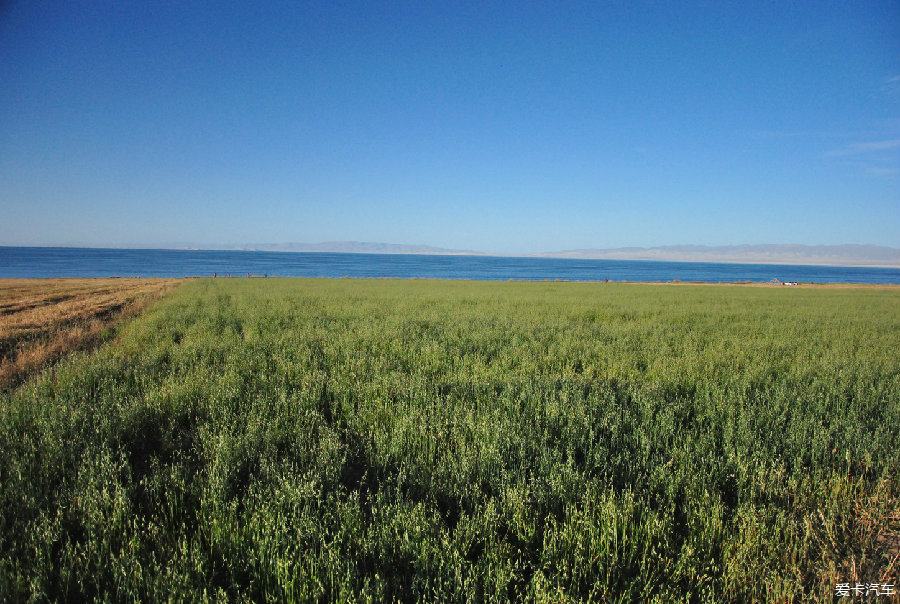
column 369, row 440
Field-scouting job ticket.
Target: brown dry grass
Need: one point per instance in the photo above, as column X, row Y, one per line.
column 41, row 320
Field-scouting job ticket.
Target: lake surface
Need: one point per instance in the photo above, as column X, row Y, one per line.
column 93, row 262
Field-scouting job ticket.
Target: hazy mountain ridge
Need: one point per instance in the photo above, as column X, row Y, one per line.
column 834, row 255
column 811, row 255
column 353, row 247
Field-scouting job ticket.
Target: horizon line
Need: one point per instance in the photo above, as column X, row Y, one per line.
column 587, row 253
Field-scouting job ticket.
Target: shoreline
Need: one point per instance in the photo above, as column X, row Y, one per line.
column 790, row 285
column 474, row 254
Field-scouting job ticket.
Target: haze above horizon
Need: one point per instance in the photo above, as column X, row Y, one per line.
column 501, row 128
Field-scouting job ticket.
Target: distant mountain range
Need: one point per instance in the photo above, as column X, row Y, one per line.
column 815, row 255
column 833, row 255
column 351, row 247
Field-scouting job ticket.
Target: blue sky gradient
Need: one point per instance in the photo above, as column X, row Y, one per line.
column 501, row 127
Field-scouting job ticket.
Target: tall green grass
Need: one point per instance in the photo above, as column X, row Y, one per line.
column 343, row 440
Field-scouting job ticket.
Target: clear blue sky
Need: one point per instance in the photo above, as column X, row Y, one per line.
column 503, row 127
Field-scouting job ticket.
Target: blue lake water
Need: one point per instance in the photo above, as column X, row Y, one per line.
column 92, row 262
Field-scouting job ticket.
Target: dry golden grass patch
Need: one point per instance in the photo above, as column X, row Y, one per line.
column 43, row 319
